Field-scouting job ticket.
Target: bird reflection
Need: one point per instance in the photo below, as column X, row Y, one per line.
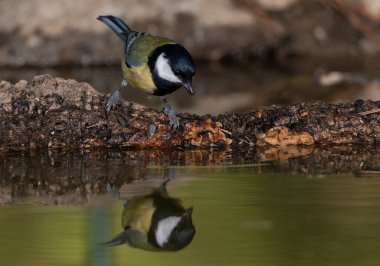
column 155, row 222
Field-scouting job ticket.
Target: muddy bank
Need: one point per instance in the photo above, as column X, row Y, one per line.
column 55, row 113
column 56, row 33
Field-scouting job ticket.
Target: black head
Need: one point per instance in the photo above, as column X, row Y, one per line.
column 172, row 66
column 180, row 235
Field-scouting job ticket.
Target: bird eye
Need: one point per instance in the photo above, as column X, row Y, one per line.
column 177, row 72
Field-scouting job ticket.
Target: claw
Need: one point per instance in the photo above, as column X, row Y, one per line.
column 124, row 83
column 114, row 98
column 112, row 101
column 151, row 130
column 173, row 119
column 122, row 121
column 170, row 113
column 112, row 190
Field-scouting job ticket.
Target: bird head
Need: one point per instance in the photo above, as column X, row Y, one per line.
column 175, row 232
column 175, row 65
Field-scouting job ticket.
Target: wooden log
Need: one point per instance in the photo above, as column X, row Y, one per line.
column 57, row 113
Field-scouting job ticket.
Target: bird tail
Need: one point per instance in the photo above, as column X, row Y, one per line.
column 117, row 25
column 117, row 240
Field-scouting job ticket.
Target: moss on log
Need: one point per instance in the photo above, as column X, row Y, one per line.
column 57, row 113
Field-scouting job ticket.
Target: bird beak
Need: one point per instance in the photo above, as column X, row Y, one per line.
column 189, row 87
column 186, row 217
column 188, row 212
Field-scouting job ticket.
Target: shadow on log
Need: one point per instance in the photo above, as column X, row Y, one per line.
column 56, row 113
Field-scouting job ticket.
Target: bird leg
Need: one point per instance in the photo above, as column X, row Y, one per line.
column 114, row 98
column 170, row 113
column 162, row 187
column 112, row 190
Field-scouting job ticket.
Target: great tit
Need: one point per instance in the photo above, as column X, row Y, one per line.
column 153, row 64
column 155, row 222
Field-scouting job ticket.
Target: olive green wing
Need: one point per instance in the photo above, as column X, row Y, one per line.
column 138, row 212
column 138, row 239
column 141, row 46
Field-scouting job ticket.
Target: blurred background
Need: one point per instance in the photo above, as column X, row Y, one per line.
column 287, row 206
column 249, row 53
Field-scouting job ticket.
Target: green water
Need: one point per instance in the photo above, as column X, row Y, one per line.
column 256, row 214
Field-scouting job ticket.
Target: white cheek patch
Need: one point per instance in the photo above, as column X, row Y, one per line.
column 164, row 229
column 164, row 70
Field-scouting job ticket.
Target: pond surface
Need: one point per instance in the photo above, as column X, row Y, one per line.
column 235, row 88
column 291, row 206
column 312, row 208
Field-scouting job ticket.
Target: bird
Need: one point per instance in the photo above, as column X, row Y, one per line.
column 155, row 222
column 153, row 64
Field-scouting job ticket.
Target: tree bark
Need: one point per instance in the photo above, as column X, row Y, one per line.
column 56, row 113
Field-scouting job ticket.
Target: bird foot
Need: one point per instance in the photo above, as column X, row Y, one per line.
column 173, row 119
column 112, row 190
column 112, row 101
column 114, row 98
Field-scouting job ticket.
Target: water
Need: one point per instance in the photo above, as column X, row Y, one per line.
column 232, row 88
column 290, row 206
column 320, row 207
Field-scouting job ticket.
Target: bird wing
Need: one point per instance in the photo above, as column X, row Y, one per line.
column 140, row 46
column 137, row 214
column 139, row 239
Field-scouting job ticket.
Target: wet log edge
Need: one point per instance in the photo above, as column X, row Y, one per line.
column 56, row 113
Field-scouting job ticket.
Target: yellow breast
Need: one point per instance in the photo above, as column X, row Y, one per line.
column 138, row 214
column 139, row 77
